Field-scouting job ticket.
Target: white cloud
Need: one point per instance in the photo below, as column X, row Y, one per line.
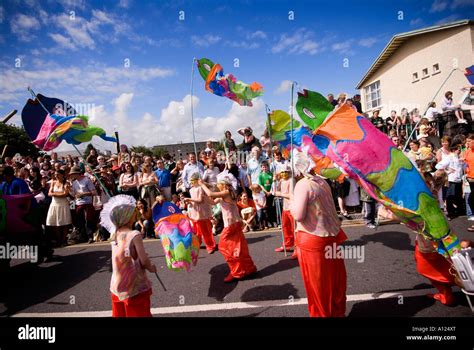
column 300, row 42
column 62, row 41
column 461, row 3
column 343, row 47
column 124, row 4
column 285, row 86
column 23, row 26
column 173, row 124
column 205, row 41
column 257, row 35
column 242, row 44
column 447, row 19
column 72, row 81
column 439, row 6
column 416, row 22
column 367, row 42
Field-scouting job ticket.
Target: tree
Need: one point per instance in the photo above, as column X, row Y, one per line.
column 158, row 151
column 17, row 141
column 142, row 149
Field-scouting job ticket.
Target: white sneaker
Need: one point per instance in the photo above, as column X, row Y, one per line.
column 471, row 218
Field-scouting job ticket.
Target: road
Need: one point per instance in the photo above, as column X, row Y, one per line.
column 382, row 282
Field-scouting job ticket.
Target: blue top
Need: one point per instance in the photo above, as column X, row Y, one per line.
column 164, row 177
column 18, row 186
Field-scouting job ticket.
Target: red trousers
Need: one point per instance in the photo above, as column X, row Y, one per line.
column 137, row 306
column 203, row 230
column 235, row 250
column 436, row 268
column 324, row 279
column 288, row 227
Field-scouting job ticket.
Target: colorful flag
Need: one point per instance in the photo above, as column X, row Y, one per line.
column 227, row 85
column 367, row 155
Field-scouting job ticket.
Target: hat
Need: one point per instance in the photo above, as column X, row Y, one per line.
column 280, row 168
column 117, row 212
column 115, row 167
column 194, row 177
column 75, row 170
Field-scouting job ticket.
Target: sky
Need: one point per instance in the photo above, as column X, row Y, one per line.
column 129, row 63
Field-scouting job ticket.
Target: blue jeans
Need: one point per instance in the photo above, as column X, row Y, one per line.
column 468, row 208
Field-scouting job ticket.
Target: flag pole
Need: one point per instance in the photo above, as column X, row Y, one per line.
column 278, row 209
column 80, row 154
column 192, row 108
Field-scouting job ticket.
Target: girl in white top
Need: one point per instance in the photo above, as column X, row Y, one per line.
column 59, row 213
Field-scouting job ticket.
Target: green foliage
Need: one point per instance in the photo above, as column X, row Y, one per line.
column 17, row 140
column 142, row 150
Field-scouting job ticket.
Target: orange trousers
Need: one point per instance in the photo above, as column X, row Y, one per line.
column 203, row 230
column 436, row 268
column 233, row 246
column 288, row 227
column 324, row 279
column 136, row 306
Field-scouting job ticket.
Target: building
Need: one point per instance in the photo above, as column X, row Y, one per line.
column 413, row 66
column 180, row 150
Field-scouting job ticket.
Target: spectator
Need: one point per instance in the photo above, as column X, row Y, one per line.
column 164, row 179
column 59, row 213
column 350, row 103
column 357, row 104
column 448, row 105
column 332, row 100
column 266, row 144
column 148, row 183
column 124, row 155
column 92, row 159
column 424, row 129
column 414, row 153
column 253, row 165
column 261, row 204
column 431, row 112
column 377, row 120
column 210, row 150
column 210, row 174
column 144, row 222
column 83, row 191
column 249, row 138
column 177, row 178
column 229, row 142
column 453, row 166
column 13, row 185
column 191, row 167
column 248, row 211
column 129, row 181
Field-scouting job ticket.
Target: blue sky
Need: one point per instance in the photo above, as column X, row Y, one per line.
column 78, row 51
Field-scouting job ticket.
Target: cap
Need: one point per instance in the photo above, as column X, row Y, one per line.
column 75, row 170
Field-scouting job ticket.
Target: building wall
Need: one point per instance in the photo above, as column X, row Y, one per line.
column 180, row 150
column 443, row 47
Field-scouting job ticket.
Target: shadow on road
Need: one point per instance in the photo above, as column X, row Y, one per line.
column 394, row 240
column 217, row 288
column 257, row 239
column 28, row 284
column 272, row 292
column 282, row 265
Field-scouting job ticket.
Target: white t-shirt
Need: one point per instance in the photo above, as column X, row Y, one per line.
column 83, row 185
column 260, row 200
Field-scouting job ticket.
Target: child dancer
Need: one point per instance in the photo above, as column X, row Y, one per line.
column 200, row 213
column 232, row 244
column 130, row 287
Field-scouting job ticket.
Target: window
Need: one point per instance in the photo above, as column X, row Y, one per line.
column 372, row 95
column 436, row 68
column 424, row 73
column 415, row 77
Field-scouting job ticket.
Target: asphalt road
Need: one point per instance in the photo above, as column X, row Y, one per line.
column 382, row 282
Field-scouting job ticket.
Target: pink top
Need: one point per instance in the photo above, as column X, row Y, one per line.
column 201, row 209
column 285, row 188
column 128, row 276
column 230, row 213
column 313, row 208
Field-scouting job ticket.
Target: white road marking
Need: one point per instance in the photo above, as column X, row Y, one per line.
column 232, row 306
